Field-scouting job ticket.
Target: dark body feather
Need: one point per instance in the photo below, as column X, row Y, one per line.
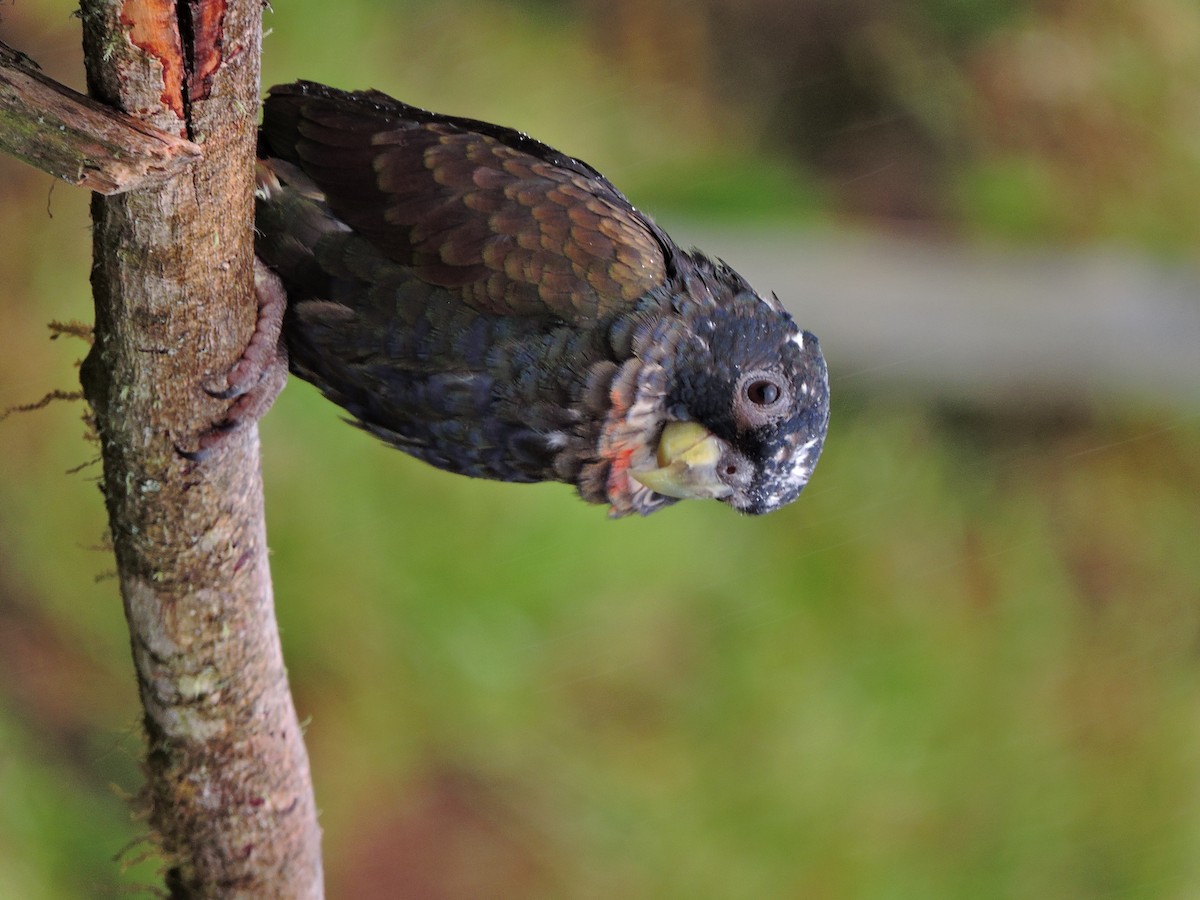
column 498, row 309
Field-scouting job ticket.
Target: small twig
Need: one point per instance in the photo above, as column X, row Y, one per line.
column 41, row 404
column 72, row 137
column 75, row 470
column 72, row 328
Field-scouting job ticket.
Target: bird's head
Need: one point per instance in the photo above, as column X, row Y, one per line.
column 733, row 398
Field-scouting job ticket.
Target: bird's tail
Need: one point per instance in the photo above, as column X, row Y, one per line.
column 291, row 219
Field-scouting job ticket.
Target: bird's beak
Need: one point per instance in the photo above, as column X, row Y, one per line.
column 689, row 458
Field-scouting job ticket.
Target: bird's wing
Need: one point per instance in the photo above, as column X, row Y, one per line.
column 483, row 213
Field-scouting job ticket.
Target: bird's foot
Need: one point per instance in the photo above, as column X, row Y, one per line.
column 257, row 378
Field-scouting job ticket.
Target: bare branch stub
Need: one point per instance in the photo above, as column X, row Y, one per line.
column 83, row 142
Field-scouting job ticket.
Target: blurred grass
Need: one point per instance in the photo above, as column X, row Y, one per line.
column 963, row 665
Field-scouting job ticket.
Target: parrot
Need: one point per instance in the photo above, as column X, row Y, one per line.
column 498, row 309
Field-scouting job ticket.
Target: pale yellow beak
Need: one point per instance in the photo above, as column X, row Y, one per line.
column 689, row 458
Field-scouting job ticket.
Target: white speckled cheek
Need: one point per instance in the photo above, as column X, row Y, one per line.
column 802, row 467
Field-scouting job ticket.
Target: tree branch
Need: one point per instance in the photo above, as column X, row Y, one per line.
column 83, row 142
column 228, row 789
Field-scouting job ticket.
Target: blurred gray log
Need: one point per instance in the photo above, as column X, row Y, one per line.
column 983, row 325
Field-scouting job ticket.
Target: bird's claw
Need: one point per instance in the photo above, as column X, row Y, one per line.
column 256, row 379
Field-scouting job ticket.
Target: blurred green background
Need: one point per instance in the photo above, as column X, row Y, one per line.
column 964, row 665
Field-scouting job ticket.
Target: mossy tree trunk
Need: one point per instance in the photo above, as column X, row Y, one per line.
column 228, row 790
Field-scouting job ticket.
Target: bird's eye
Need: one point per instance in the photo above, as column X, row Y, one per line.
column 762, row 398
column 762, row 392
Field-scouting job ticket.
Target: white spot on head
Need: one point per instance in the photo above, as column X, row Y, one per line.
column 798, row 339
column 771, row 302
